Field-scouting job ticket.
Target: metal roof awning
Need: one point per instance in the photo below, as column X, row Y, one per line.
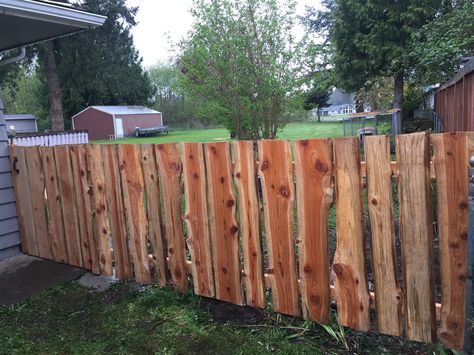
column 24, row 22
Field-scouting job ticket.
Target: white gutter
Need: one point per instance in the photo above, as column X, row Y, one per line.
column 51, row 13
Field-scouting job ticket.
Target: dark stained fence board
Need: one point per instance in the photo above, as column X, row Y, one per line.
column 100, row 221
column 117, row 218
column 68, row 205
column 276, row 172
column 314, row 196
column 350, row 279
column 222, row 223
column 245, row 178
column 90, row 254
column 55, row 216
column 196, row 218
column 169, row 168
column 133, row 195
column 153, row 209
column 451, row 162
column 388, row 300
column 416, row 233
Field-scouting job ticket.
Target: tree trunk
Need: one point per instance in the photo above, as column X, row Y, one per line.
column 318, row 112
column 54, row 90
column 398, row 103
column 359, row 100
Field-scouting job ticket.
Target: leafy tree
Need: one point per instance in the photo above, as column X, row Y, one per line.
column 99, row 66
column 371, row 38
column 437, row 48
column 241, row 60
column 317, row 99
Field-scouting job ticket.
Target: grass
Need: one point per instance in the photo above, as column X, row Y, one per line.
column 290, row 131
column 70, row 319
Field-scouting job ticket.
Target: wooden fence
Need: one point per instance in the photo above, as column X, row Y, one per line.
column 120, row 209
column 454, row 101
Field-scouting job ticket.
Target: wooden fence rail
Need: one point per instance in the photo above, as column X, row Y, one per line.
column 243, row 218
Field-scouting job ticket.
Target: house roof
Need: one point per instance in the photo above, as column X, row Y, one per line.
column 122, row 110
column 24, row 22
column 27, row 117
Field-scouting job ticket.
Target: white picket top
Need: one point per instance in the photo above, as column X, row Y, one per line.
column 51, row 139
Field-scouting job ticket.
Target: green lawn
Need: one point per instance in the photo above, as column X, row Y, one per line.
column 291, row 131
column 128, row 319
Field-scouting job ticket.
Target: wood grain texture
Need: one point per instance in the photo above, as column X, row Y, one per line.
column 416, row 233
column 37, row 191
column 314, row 196
column 389, row 296
column 169, row 169
column 23, row 197
column 245, row 178
column 276, row 174
column 55, row 217
column 223, row 227
column 153, row 210
column 90, row 255
column 350, row 279
column 99, row 206
column 133, row 196
column 68, row 205
column 196, row 218
column 451, row 162
column 116, row 210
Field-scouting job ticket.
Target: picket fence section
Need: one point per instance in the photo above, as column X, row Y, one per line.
column 119, row 208
column 51, row 139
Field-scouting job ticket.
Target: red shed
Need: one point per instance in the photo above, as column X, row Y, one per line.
column 110, row 122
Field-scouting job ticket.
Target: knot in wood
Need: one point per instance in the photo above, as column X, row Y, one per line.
column 264, row 165
column 338, row 269
column 304, row 143
column 284, row 191
column 174, row 166
column 234, row 229
column 230, row 203
column 320, row 166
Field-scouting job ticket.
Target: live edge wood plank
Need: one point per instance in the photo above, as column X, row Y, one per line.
column 451, row 163
column 170, row 167
column 133, row 196
column 350, row 280
column 223, row 227
column 245, row 178
column 116, row 209
column 388, row 303
column 276, row 174
column 153, row 211
column 196, row 218
column 416, row 233
column 314, row 196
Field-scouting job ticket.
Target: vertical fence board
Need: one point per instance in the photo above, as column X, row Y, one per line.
column 133, row 195
column 90, row 255
column 169, row 168
column 451, row 163
column 314, row 195
column 68, row 205
column 100, row 221
column 223, row 225
column 196, row 219
column 55, row 217
column 24, row 206
column 416, row 232
column 245, row 172
column 153, row 208
column 37, row 190
column 276, row 172
column 116, row 209
column 350, row 280
column 388, row 300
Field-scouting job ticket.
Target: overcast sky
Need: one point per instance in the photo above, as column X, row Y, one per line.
column 159, row 20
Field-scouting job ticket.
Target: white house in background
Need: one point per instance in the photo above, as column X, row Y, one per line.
column 340, row 103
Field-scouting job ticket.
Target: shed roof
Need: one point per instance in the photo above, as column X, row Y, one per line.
column 26, row 116
column 123, row 110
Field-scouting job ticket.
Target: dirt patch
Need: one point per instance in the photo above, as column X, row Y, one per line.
column 224, row 312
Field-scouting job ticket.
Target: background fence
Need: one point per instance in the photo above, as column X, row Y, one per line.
column 454, row 101
column 51, row 139
column 157, row 213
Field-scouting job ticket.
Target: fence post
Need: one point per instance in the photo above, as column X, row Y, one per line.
column 469, row 297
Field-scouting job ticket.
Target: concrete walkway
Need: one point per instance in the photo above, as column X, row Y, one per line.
column 23, row 276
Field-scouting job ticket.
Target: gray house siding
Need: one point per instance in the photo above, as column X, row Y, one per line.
column 9, row 229
column 22, row 123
